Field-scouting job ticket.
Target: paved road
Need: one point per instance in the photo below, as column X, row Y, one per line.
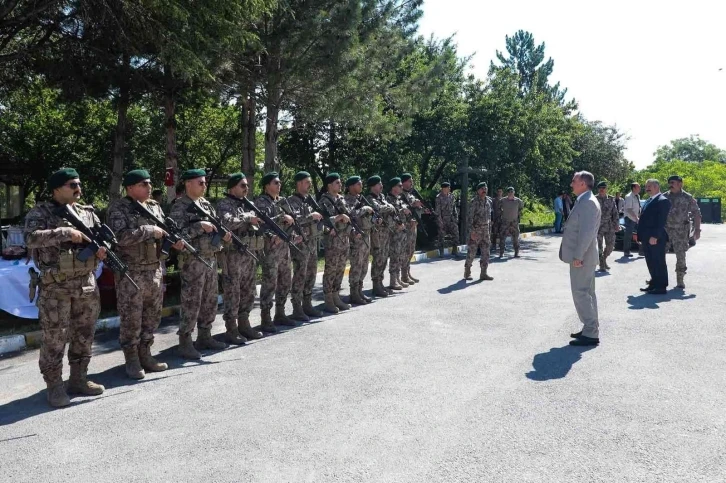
column 450, row 382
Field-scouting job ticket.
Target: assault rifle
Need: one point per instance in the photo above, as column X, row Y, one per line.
column 100, row 236
column 295, row 225
column 173, row 233
column 221, row 229
column 323, row 211
column 270, row 223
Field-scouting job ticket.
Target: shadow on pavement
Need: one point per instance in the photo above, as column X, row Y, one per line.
column 37, row 404
column 626, row 260
column 650, row 301
column 556, row 363
column 460, row 285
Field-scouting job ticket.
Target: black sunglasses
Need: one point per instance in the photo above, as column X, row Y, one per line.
column 74, row 184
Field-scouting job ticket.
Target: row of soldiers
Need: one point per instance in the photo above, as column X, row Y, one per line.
column 381, row 224
column 505, row 214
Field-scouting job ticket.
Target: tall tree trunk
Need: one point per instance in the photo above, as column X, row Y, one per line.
column 332, row 147
column 249, row 136
column 274, row 101
column 172, row 157
column 271, row 129
column 119, row 141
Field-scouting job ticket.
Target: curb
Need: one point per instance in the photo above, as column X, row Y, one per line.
column 31, row 340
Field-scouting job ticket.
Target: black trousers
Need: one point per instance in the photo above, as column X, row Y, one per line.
column 655, row 258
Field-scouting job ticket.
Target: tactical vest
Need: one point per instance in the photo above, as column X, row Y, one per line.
column 144, row 255
column 66, row 266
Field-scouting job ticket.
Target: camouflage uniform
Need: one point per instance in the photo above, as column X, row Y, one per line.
column 509, row 225
column 68, row 303
column 683, row 206
column 478, row 221
column 381, row 235
column 496, row 224
column 276, row 275
column 397, row 248
column 199, row 284
column 411, row 233
column 609, row 223
column 238, row 267
column 139, row 310
column 446, row 218
column 337, row 246
column 360, row 251
column 305, row 264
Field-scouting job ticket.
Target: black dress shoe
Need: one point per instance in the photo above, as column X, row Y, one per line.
column 585, row 341
column 657, row 291
column 576, row 335
column 646, row 289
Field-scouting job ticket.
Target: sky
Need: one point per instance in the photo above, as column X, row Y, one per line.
column 653, row 71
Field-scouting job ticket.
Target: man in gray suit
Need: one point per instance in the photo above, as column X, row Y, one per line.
column 579, row 250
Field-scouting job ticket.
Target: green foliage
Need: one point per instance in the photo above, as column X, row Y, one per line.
column 706, row 179
column 691, row 149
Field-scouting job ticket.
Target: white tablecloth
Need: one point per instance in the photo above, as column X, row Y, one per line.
column 14, row 281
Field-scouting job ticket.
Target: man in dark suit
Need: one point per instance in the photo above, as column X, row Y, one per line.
column 653, row 237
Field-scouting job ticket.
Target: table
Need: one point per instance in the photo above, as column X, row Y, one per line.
column 14, row 282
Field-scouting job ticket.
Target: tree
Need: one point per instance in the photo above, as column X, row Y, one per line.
column 528, row 61
column 692, row 149
column 600, row 150
column 26, row 28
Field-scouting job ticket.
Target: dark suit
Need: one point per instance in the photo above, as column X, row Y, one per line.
column 652, row 224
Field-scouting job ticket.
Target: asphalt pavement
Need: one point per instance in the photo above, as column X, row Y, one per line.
column 448, row 381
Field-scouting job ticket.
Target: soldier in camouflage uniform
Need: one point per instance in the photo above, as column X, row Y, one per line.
column 411, row 229
column 511, row 211
column 359, row 244
column 398, row 247
column 199, row 284
column 381, row 233
column 497, row 218
column 239, row 269
column 609, row 224
column 683, row 207
column 446, row 216
column 478, row 221
column 68, row 303
column 305, row 262
column 336, row 242
column 139, row 309
column 276, row 274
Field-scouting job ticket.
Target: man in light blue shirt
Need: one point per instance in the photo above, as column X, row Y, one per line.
column 559, row 211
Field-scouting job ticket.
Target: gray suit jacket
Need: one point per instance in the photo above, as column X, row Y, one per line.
column 579, row 240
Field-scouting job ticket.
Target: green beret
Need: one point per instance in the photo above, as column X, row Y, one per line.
column 511, row 188
column 675, row 177
column 267, row 178
column 405, row 177
column 136, row 176
column 374, row 180
column 481, row 185
column 602, row 184
column 301, row 175
column 330, row 178
column 234, row 179
column 393, row 182
column 192, row 174
column 351, row 181
column 60, row 177
column 446, row 184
